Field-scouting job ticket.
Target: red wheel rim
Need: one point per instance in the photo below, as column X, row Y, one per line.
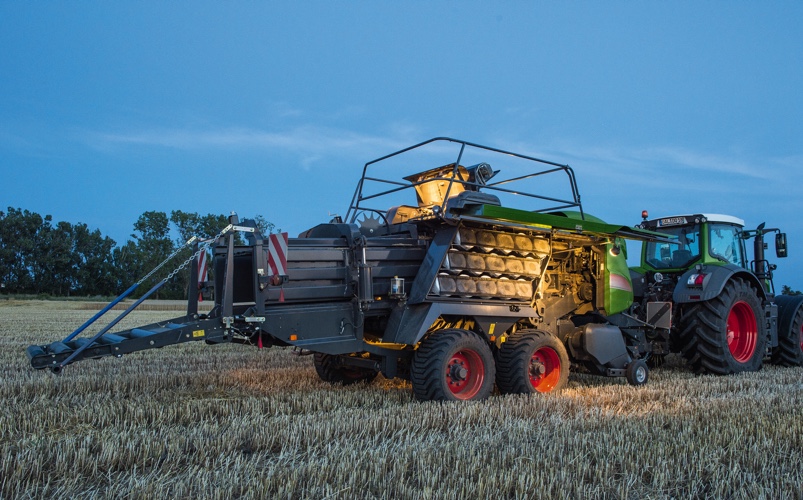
column 465, row 373
column 544, row 369
column 742, row 332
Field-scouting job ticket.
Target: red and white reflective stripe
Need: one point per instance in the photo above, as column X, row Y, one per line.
column 203, row 267
column 203, row 273
column 619, row 282
column 277, row 254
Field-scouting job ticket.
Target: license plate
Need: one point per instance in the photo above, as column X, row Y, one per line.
column 672, row 221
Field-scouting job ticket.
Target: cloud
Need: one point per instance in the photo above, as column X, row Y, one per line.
column 285, row 110
column 654, row 166
column 694, row 160
column 649, row 167
column 656, row 160
column 310, row 142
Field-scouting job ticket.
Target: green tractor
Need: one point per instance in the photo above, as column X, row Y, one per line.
column 709, row 302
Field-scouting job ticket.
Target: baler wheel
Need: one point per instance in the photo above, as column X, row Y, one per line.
column 530, row 362
column 790, row 343
column 637, row 372
column 724, row 335
column 331, row 369
column 453, row 364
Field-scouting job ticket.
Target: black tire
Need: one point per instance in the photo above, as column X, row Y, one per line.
column 331, row 369
column 451, row 365
column 790, row 342
column 726, row 334
column 637, row 372
column 530, row 362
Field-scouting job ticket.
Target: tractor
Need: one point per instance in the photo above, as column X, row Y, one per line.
column 717, row 308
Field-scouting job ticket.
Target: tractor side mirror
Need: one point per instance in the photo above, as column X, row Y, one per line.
column 780, row 245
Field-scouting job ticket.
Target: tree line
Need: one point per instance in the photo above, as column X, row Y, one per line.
column 62, row 259
column 40, row 257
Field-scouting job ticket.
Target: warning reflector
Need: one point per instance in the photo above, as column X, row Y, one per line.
column 277, row 254
column 659, row 314
column 203, row 273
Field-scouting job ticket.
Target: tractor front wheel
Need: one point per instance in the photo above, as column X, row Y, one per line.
column 726, row 334
column 452, row 364
column 531, row 362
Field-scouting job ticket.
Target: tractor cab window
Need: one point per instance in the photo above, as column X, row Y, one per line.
column 663, row 255
column 725, row 243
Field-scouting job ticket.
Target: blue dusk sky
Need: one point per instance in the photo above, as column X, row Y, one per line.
column 111, row 109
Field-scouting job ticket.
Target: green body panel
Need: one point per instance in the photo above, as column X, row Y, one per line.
column 569, row 222
column 618, row 285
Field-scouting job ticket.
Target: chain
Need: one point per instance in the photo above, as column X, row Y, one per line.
column 176, row 252
column 184, row 264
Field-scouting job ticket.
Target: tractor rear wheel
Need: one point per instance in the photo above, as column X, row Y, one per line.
column 790, row 343
column 331, row 369
column 726, row 334
column 530, row 362
column 453, row 364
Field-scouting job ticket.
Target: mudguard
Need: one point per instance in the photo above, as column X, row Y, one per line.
column 715, row 279
column 409, row 323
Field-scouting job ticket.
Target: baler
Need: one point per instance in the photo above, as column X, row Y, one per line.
column 459, row 276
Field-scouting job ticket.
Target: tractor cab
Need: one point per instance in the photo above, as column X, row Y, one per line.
column 703, row 251
column 697, row 239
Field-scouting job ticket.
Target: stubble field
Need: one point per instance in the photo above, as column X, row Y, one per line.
column 223, row 421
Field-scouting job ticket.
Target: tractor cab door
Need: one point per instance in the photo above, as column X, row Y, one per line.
column 725, row 243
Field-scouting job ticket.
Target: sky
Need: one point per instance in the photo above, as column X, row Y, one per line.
column 111, row 109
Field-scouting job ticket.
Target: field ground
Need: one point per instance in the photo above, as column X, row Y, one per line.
column 222, row 421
